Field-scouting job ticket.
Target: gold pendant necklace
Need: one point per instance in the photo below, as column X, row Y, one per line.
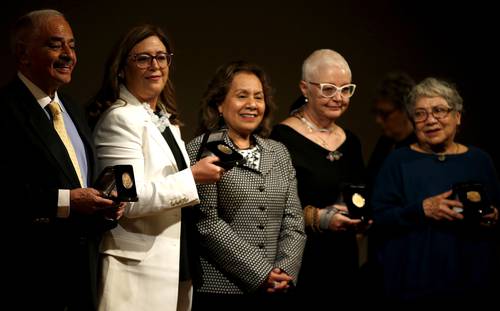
column 331, row 155
column 441, row 156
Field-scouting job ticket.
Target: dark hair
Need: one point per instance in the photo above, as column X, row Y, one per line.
column 395, row 88
column 110, row 88
column 297, row 104
column 217, row 91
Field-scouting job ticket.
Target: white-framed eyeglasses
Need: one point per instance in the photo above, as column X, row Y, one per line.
column 329, row 90
column 144, row 60
column 438, row 112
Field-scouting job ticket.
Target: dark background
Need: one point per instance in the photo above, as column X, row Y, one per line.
column 425, row 38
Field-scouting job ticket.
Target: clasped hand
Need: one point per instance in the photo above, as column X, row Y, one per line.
column 277, row 281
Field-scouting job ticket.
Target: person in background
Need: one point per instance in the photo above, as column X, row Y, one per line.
column 397, row 131
column 251, row 228
column 55, row 220
column 138, row 125
column 390, row 114
column 325, row 156
column 431, row 252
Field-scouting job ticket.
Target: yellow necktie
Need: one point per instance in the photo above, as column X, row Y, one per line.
column 58, row 121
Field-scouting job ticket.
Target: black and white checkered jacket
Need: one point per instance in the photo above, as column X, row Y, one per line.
column 250, row 222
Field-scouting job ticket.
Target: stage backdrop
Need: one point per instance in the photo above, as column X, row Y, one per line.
column 423, row 38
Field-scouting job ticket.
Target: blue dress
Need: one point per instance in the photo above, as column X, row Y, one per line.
column 424, row 259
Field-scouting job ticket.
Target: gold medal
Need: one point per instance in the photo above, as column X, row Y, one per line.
column 358, row 200
column 473, row 196
column 225, row 149
column 127, row 180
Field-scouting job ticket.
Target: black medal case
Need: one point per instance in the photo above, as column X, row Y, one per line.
column 120, row 179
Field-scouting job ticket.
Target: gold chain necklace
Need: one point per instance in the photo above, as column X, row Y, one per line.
column 441, row 156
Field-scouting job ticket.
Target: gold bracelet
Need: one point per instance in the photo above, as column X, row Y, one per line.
column 316, row 220
column 306, row 215
column 309, row 211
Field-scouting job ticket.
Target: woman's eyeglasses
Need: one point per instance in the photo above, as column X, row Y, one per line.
column 329, row 90
column 144, row 60
column 438, row 112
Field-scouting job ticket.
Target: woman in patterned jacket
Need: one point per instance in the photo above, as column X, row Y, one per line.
column 250, row 224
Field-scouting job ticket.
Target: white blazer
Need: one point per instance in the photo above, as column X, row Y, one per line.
column 144, row 248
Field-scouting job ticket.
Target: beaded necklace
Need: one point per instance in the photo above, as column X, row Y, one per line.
column 332, row 155
column 313, row 127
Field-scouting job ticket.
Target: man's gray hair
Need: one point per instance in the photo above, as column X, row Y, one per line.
column 28, row 27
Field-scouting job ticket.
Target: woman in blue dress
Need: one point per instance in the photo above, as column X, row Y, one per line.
column 434, row 249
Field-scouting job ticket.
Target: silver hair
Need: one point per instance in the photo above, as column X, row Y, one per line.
column 323, row 57
column 28, row 26
column 432, row 87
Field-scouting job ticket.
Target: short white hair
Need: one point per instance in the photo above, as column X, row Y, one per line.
column 320, row 58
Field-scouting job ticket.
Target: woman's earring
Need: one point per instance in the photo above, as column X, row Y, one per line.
column 306, row 99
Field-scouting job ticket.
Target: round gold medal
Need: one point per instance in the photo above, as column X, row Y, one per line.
column 225, row 149
column 127, row 180
column 358, row 200
column 473, row 196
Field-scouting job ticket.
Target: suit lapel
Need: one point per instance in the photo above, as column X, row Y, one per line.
column 178, row 139
column 158, row 137
column 266, row 156
column 41, row 127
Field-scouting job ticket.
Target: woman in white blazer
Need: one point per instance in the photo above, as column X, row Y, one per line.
column 137, row 125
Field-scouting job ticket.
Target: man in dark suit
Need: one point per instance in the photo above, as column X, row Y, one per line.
column 54, row 220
